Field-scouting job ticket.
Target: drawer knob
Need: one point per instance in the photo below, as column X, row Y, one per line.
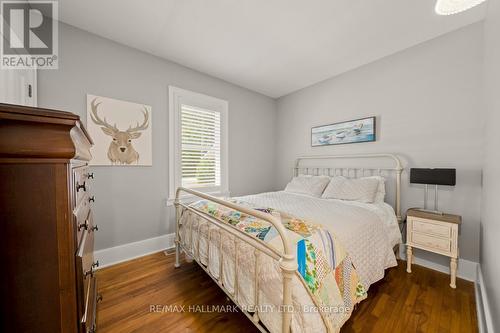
column 92, row 199
column 84, row 225
column 90, row 175
column 99, row 298
column 95, row 264
column 95, row 228
column 90, row 272
column 80, row 187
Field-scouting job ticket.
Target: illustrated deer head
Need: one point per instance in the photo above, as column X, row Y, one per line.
column 121, row 150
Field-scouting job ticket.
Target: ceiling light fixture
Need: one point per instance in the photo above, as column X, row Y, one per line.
column 450, row 7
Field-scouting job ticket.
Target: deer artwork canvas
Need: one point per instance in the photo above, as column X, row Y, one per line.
column 121, row 132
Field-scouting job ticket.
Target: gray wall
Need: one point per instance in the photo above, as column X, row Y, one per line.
column 131, row 201
column 490, row 222
column 428, row 103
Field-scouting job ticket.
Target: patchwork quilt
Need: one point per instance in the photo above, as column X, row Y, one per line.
column 324, row 267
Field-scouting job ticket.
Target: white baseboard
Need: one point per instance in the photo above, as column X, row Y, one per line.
column 121, row 253
column 482, row 305
column 467, row 269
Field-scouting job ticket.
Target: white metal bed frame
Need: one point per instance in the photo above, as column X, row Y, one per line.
column 286, row 258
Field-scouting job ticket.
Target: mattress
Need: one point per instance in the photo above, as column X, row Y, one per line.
column 367, row 231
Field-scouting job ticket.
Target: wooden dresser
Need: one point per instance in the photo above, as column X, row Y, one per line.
column 48, row 281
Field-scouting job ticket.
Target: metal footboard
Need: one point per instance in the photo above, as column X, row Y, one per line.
column 286, row 258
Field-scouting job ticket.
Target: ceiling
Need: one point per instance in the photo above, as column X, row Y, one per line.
column 273, row 47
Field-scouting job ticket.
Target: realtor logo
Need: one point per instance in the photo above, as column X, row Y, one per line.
column 29, row 32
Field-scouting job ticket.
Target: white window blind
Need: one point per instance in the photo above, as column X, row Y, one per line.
column 198, row 143
column 200, row 147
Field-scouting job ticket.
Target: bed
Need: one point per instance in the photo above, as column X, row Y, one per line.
column 351, row 243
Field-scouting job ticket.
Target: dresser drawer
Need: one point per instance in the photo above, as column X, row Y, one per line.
column 432, row 228
column 81, row 209
column 85, row 268
column 82, row 216
column 82, row 178
column 88, row 320
column 431, row 243
column 85, row 256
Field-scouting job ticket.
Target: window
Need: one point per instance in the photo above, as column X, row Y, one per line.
column 198, row 146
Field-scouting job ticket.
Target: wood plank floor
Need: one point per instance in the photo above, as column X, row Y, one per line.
column 401, row 302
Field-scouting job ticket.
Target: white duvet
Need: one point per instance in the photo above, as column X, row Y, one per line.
column 367, row 231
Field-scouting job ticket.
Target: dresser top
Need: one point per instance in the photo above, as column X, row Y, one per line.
column 20, row 110
column 36, row 134
column 449, row 218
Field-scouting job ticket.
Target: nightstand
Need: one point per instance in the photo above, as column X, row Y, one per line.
column 434, row 233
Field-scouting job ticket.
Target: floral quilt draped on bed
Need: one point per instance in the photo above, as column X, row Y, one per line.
column 324, row 267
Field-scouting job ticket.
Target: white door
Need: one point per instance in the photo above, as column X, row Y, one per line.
column 18, row 86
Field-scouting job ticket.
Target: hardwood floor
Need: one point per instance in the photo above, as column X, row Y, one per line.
column 418, row 302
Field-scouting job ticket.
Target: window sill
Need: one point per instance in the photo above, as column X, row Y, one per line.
column 191, row 198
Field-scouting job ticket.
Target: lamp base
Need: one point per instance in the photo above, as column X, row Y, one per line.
column 430, row 211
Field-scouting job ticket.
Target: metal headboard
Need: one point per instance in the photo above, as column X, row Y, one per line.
column 355, row 172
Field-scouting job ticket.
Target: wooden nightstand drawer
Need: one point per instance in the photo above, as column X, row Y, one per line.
column 428, row 227
column 431, row 242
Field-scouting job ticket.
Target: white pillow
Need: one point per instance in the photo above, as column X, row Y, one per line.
column 307, row 184
column 360, row 189
column 380, row 195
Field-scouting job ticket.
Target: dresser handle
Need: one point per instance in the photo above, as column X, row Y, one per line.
column 99, row 298
column 94, row 228
column 90, row 175
column 92, row 199
column 90, row 272
column 84, row 225
column 80, row 187
column 95, row 264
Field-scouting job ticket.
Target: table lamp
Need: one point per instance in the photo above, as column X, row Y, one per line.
column 432, row 177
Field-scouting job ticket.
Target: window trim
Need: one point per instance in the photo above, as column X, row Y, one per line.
column 177, row 97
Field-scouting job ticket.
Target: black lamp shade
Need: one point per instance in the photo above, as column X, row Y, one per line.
column 433, row 176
